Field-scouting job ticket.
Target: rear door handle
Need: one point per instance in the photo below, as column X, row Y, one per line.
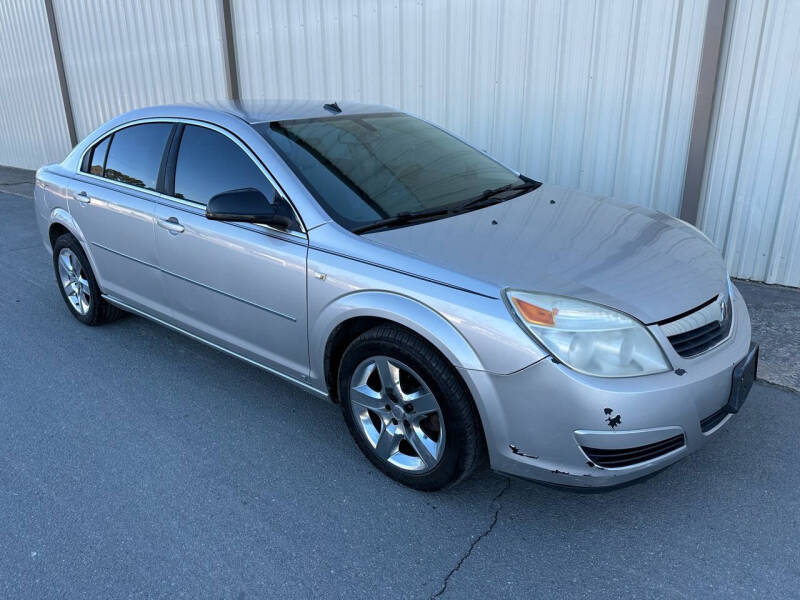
column 172, row 225
column 82, row 197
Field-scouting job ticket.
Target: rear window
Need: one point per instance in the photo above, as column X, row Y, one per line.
column 135, row 154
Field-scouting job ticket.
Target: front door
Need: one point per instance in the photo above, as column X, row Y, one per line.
column 239, row 285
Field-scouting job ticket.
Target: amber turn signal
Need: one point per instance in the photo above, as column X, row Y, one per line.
column 535, row 315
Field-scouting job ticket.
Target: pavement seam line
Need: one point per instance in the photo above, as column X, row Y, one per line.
column 475, row 542
column 17, row 194
column 12, row 250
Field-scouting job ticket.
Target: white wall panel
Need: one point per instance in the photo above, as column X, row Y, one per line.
column 33, row 129
column 123, row 55
column 750, row 203
column 592, row 94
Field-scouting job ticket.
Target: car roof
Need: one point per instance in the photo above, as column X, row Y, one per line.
column 259, row 111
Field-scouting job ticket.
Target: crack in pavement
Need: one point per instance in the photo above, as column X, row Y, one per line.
column 475, row 542
column 782, row 386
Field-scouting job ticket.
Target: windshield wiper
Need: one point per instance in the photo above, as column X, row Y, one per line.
column 402, row 218
column 490, row 196
column 486, row 197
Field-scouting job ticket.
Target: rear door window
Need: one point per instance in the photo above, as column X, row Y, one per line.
column 97, row 159
column 135, row 154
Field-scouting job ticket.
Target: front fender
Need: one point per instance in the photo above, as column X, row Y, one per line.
column 408, row 312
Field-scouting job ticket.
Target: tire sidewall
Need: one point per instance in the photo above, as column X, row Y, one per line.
column 448, row 468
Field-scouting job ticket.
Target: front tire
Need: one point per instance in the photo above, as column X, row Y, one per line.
column 408, row 410
column 78, row 285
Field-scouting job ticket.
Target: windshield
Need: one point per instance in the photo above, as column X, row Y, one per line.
column 364, row 169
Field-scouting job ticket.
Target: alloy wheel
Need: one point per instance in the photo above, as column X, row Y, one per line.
column 398, row 414
column 74, row 281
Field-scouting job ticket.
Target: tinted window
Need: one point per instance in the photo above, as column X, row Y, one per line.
column 363, row 168
column 135, row 154
column 98, row 158
column 210, row 163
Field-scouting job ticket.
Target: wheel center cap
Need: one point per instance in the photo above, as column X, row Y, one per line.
column 398, row 412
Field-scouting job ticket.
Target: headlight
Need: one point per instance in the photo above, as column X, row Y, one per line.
column 731, row 288
column 588, row 337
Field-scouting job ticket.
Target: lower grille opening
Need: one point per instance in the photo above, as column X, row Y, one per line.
column 712, row 420
column 625, row 457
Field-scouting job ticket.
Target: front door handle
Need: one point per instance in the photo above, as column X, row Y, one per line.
column 82, row 197
column 172, row 225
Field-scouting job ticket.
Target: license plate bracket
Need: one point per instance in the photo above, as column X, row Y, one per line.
column 744, row 374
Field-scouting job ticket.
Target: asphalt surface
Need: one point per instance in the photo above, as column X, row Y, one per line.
column 135, row 462
column 775, row 317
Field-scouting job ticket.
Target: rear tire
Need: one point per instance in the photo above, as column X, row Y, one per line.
column 78, row 285
column 408, row 410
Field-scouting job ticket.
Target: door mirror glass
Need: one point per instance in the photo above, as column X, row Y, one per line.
column 248, row 206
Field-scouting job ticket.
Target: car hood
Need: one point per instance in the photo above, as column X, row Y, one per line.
column 565, row 242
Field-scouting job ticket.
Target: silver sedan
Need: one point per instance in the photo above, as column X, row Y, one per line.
column 453, row 307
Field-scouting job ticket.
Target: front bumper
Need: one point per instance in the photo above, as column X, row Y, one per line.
column 537, row 419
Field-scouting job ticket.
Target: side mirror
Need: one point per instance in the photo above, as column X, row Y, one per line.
column 248, row 206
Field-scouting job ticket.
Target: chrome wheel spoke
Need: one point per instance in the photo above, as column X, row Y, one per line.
column 365, row 396
column 83, row 298
column 64, row 270
column 418, row 439
column 424, row 403
column 388, row 373
column 76, row 264
column 65, row 262
column 387, row 443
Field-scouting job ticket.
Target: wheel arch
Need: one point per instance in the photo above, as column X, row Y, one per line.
column 61, row 222
column 55, row 232
column 343, row 320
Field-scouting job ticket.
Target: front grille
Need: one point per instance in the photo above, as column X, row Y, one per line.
column 701, row 329
column 625, row 457
column 713, row 420
column 697, row 340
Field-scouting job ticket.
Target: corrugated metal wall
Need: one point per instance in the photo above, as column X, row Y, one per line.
column 594, row 94
column 122, row 55
column 33, row 130
column 750, row 203
column 588, row 94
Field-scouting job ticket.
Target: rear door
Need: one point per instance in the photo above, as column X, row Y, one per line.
column 113, row 203
column 240, row 285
